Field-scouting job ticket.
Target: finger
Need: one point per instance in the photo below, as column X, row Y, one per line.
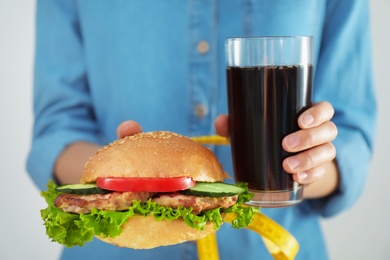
column 127, row 128
column 316, row 115
column 310, row 159
column 310, row 176
column 308, row 138
column 221, row 125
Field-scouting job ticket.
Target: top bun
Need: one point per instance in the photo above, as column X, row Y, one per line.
column 154, row 155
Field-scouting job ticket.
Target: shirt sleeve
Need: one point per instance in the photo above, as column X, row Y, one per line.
column 344, row 78
column 62, row 104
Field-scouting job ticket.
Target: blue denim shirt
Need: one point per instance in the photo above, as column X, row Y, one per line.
column 162, row 64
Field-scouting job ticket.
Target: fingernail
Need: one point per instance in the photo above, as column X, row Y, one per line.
column 292, row 141
column 302, row 176
column 307, row 119
column 294, row 163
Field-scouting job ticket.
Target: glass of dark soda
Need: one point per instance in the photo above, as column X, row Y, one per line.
column 269, row 84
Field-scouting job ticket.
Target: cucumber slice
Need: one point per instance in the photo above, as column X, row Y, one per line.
column 85, row 189
column 213, row 189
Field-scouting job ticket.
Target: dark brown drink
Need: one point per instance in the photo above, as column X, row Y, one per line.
column 264, row 105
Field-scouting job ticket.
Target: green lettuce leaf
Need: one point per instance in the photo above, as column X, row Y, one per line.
column 72, row 229
column 62, row 227
column 244, row 214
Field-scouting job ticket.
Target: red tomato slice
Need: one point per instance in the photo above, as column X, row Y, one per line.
column 145, row 184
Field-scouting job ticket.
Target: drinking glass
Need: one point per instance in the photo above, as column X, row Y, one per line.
column 269, row 84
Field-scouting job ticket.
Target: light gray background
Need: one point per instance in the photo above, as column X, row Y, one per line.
column 362, row 232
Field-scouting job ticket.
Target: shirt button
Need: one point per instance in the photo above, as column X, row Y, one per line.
column 203, row 47
column 200, row 110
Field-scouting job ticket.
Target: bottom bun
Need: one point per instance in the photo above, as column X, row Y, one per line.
column 141, row 232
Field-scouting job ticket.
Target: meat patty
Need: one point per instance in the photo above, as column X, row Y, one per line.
column 118, row 201
column 198, row 204
column 115, row 201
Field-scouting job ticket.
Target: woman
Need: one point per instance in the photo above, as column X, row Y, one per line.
column 161, row 64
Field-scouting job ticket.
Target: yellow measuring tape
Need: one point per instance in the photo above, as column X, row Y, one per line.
column 279, row 242
column 211, row 139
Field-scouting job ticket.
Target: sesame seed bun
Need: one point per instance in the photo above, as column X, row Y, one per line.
column 154, row 155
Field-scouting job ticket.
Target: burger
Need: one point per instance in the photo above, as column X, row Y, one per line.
column 143, row 191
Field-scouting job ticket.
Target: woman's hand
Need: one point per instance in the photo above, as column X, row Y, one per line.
column 127, row 128
column 313, row 165
column 312, row 143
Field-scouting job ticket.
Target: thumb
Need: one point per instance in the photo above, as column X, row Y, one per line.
column 127, row 128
